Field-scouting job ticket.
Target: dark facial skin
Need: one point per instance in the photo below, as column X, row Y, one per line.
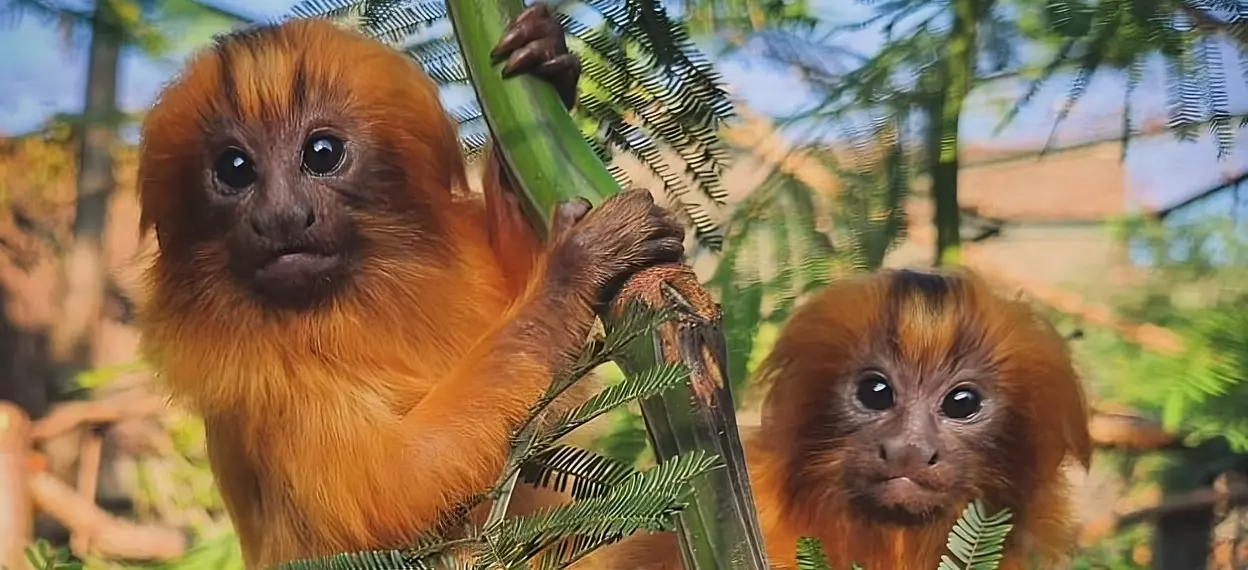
column 292, row 241
column 911, row 437
column 290, row 237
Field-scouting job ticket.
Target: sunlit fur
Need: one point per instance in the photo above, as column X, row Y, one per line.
column 355, row 424
column 796, row 473
column 933, row 321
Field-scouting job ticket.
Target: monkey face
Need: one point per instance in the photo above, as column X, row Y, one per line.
column 288, row 235
column 910, row 438
column 297, row 160
column 906, row 394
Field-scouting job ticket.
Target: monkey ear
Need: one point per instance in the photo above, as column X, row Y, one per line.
column 1075, row 435
column 1066, row 397
column 1078, row 440
column 146, row 226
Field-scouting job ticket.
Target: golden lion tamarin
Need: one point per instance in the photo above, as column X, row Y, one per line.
column 336, row 305
column 893, row 400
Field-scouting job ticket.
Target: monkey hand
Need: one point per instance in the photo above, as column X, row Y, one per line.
column 535, row 44
column 604, row 247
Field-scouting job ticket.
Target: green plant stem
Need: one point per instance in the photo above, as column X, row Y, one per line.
column 527, row 119
column 720, row 528
column 551, row 163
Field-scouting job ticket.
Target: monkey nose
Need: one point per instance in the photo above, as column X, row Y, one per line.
column 285, row 224
column 903, row 457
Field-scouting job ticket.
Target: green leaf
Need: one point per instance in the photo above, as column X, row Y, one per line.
column 977, row 540
column 643, row 501
column 644, row 385
column 590, row 474
column 810, row 555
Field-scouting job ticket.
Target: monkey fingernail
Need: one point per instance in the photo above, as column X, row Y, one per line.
column 666, row 250
column 529, row 57
column 513, row 39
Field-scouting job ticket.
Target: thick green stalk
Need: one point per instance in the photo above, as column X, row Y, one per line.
column 550, row 163
column 527, row 119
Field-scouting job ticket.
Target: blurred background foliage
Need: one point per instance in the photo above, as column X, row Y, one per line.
column 875, row 170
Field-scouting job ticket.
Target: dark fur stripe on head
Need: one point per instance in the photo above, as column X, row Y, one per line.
column 922, row 295
column 225, row 46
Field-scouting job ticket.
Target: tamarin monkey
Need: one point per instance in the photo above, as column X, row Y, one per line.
column 893, row 400
column 331, row 299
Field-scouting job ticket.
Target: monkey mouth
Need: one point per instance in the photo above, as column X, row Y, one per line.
column 299, row 262
column 906, row 501
column 297, row 277
column 294, row 264
column 904, row 486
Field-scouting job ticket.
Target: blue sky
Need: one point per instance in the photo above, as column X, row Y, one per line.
column 48, row 76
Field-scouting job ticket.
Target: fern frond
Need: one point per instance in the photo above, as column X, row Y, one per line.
column 643, row 501
column 977, row 540
column 590, row 474
column 810, row 554
column 378, row 560
column 636, row 320
column 639, row 386
column 1123, row 35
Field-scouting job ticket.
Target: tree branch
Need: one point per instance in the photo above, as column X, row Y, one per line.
column 99, row 533
column 69, row 416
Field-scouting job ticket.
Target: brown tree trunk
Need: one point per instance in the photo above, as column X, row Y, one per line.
column 945, row 114
column 83, row 269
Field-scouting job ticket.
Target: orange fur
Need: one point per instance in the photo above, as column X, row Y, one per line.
column 796, row 478
column 358, row 424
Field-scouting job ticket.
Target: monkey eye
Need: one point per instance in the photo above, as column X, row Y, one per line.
column 322, row 154
column 234, row 169
column 874, row 391
column 962, row 403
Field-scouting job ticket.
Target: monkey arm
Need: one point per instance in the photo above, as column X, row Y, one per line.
column 459, row 433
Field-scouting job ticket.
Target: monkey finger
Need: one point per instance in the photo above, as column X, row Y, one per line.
column 512, row 39
column 664, row 224
column 529, row 57
column 568, row 214
column 565, row 65
column 531, row 26
column 537, row 12
column 665, row 250
column 562, row 70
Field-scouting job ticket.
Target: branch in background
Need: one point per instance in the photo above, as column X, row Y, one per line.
column 1161, row 506
column 88, row 480
column 1131, row 433
column 98, row 532
column 15, row 510
column 70, row 416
